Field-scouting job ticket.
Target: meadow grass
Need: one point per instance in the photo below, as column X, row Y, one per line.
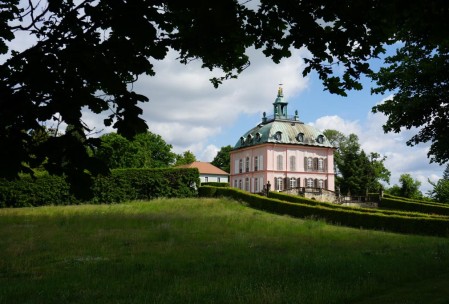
column 209, row 251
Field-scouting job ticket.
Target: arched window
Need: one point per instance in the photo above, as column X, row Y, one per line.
column 309, row 164
column 240, row 184
column 247, row 184
column 240, row 165
column 320, row 183
column 247, row 164
column 256, row 185
column 293, row 183
column 278, row 135
column 320, row 164
column 292, row 163
column 280, row 163
column 278, row 183
column 309, row 182
column 256, row 163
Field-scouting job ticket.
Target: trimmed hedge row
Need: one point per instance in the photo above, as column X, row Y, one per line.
column 415, row 200
column 302, row 200
column 44, row 190
column 401, row 204
column 350, row 218
column 121, row 185
column 215, row 184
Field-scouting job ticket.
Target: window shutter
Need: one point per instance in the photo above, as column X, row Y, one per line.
column 236, row 166
column 315, row 183
column 325, row 184
column 298, row 182
column 286, row 183
column 305, row 163
column 261, row 162
column 325, row 164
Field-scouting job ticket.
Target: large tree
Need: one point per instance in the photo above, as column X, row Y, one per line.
column 223, row 159
column 409, row 187
column 356, row 172
column 145, row 150
column 88, row 53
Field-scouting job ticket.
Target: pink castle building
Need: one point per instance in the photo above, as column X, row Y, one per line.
column 283, row 152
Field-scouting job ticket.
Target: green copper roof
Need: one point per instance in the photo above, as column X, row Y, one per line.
column 282, row 129
column 283, row 132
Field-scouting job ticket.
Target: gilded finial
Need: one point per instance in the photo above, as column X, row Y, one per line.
column 280, row 93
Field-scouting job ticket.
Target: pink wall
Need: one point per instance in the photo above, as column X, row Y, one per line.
column 268, row 157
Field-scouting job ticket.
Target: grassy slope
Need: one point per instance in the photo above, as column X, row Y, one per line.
column 208, row 251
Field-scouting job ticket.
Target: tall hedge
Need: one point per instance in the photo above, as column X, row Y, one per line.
column 302, row 200
column 350, row 218
column 121, row 185
column 26, row 192
column 407, row 205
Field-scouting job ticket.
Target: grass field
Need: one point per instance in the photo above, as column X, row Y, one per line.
column 209, row 251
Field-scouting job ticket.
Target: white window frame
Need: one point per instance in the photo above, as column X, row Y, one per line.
column 293, row 182
column 280, row 163
column 292, row 163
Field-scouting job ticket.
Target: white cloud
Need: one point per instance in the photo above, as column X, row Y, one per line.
column 337, row 123
column 186, row 110
column 400, row 157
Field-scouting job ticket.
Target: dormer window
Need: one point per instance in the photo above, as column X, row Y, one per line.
column 249, row 138
column 258, row 136
column 300, row 137
column 320, row 139
column 242, row 140
column 278, row 135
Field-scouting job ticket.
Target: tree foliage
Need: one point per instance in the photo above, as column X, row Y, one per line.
column 440, row 191
column 145, row 150
column 87, row 54
column 187, row 157
column 409, row 187
column 357, row 172
column 223, row 159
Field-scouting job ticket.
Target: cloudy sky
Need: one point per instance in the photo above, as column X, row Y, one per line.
column 190, row 114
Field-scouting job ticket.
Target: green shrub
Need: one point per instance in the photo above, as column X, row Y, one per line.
column 121, row 185
column 215, row 184
column 205, row 191
column 43, row 190
column 350, row 218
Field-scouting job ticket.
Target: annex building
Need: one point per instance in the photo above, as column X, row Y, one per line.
column 283, row 152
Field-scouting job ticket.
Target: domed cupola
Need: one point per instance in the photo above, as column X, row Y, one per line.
column 281, row 128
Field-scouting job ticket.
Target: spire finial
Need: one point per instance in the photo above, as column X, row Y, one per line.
column 280, row 93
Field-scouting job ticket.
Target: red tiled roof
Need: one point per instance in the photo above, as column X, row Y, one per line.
column 205, row 168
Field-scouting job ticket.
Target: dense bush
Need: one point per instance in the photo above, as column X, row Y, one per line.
column 44, row 190
column 409, row 205
column 350, row 218
column 139, row 184
column 121, row 185
column 215, row 184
